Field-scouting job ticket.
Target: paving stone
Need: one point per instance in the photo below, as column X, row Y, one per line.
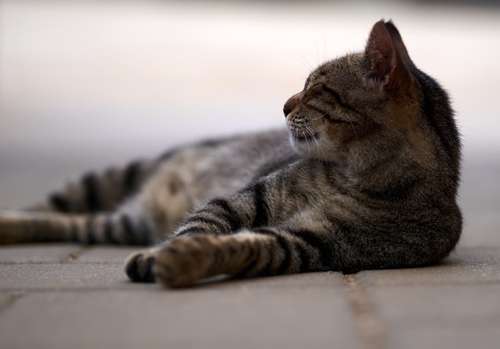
column 480, row 198
column 466, row 265
column 112, row 275
column 107, row 254
column 4, row 300
column 305, row 280
column 321, row 279
column 440, row 316
column 37, row 253
column 213, row 318
column 63, row 276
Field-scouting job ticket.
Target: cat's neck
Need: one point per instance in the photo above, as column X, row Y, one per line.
column 396, row 173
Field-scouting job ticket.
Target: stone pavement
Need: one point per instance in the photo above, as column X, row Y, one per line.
column 61, row 296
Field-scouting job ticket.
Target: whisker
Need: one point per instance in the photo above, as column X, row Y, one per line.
column 318, row 60
column 311, row 132
column 301, row 76
column 324, row 40
column 353, row 128
column 312, row 55
column 319, row 117
column 306, row 64
column 307, row 141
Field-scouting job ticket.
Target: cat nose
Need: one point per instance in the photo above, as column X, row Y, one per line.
column 292, row 103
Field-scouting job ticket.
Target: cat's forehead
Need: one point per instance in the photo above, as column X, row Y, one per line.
column 343, row 70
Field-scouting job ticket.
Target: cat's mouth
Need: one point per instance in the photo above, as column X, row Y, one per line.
column 305, row 136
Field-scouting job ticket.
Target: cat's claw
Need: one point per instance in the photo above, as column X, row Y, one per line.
column 139, row 266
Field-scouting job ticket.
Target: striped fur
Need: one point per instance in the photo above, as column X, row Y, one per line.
column 365, row 177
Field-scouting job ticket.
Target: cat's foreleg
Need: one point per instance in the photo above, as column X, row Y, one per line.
column 186, row 260
column 264, row 203
column 218, row 217
column 139, row 266
column 261, row 252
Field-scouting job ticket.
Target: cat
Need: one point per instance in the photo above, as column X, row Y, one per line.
column 365, row 176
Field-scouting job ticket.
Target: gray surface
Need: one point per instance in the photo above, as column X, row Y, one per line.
column 63, row 276
column 225, row 318
column 440, row 316
column 105, row 254
column 478, row 265
column 86, row 300
column 35, row 253
column 453, row 305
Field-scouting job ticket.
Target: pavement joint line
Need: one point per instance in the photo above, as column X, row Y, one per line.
column 59, row 262
column 432, row 283
column 137, row 287
column 435, row 284
column 371, row 327
column 66, row 261
column 10, row 298
column 73, row 255
column 19, row 292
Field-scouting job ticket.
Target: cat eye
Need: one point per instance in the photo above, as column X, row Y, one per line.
column 315, row 85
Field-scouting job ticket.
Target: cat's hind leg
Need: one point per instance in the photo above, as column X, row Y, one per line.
column 145, row 218
column 98, row 191
column 106, row 228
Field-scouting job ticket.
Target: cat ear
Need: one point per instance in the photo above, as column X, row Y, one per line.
column 397, row 41
column 385, row 56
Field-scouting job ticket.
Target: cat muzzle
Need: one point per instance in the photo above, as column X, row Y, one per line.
column 292, row 103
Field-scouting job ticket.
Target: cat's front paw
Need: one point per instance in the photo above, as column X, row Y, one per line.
column 185, row 260
column 139, row 266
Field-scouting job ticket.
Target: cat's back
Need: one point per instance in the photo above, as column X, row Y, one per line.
column 438, row 117
column 222, row 166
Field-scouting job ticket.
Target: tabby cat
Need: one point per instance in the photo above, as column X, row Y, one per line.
column 365, row 177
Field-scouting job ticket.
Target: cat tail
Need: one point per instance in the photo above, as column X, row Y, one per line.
column 98, row 191
column 103, row 228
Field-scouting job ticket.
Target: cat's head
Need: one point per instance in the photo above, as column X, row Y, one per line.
column 359, row 108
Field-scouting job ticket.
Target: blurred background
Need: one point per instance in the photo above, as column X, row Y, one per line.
column 87, row 84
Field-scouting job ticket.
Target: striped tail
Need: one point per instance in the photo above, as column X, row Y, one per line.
column 99, row 192
column 115, row 228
